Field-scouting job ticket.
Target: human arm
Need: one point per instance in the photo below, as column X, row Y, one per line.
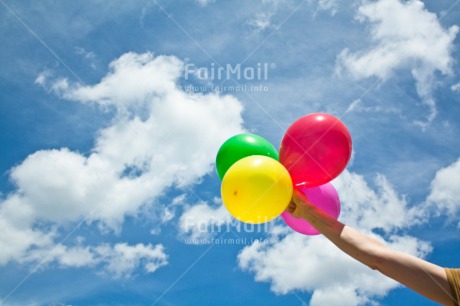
column 421, row 276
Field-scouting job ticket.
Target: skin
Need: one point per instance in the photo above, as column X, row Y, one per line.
column 421, row 276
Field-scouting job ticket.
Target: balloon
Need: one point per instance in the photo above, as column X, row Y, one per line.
column 256, row 189
column 239, row 146
column 324, row 197
column 315, row 149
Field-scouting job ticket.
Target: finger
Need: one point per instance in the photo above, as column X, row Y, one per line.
column 291, row 207
column 300, row 198
column 297, row 196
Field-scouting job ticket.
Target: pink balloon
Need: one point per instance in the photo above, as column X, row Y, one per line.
column 325, row 197
column 315, row 149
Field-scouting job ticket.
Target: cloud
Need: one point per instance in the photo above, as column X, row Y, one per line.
column 119, row 260
column 368, row 209
column 84, row 53
column 122, row 259
column 17, row 238
column 88, row 56
column 263, row 18
column 455, row 87
column 291, row 261
column 445, row 194
column 405, row 36
column 204, row 2
column 295, row 262
column 328, row 5
column 160, row 137
column 202, row 221
column 134, row 80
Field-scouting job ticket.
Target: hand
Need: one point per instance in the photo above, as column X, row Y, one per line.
column 299, row 207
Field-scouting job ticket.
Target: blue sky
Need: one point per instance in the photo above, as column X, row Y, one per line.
column 108, row 146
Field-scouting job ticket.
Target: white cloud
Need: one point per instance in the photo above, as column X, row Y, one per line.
column 263, row 18
column 455, row 87
column 357, row 106
column 261, row 21
column 42, row 77
column 17, row 239
column 62, row 255
column 368, row 209
column 445, row 194
column 353, row 105
column 119, row 260
column 88, row 56
column 161, row 137
column 405, row 35
column 84, row 53
column 204, row 2
column 122, row 259
column 296, row 262
column 328, row 5
column 291, row 261
column 133, row 80
column 201, row 221
column 165, row 213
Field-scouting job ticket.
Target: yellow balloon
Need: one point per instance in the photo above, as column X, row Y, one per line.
column 256, row 189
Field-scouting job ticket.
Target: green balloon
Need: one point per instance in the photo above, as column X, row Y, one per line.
column 240, row 146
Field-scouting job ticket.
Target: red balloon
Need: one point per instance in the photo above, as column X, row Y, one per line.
column 315, row 149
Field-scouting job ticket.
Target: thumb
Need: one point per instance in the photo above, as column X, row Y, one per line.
column 291, row 207
column 298, row 197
